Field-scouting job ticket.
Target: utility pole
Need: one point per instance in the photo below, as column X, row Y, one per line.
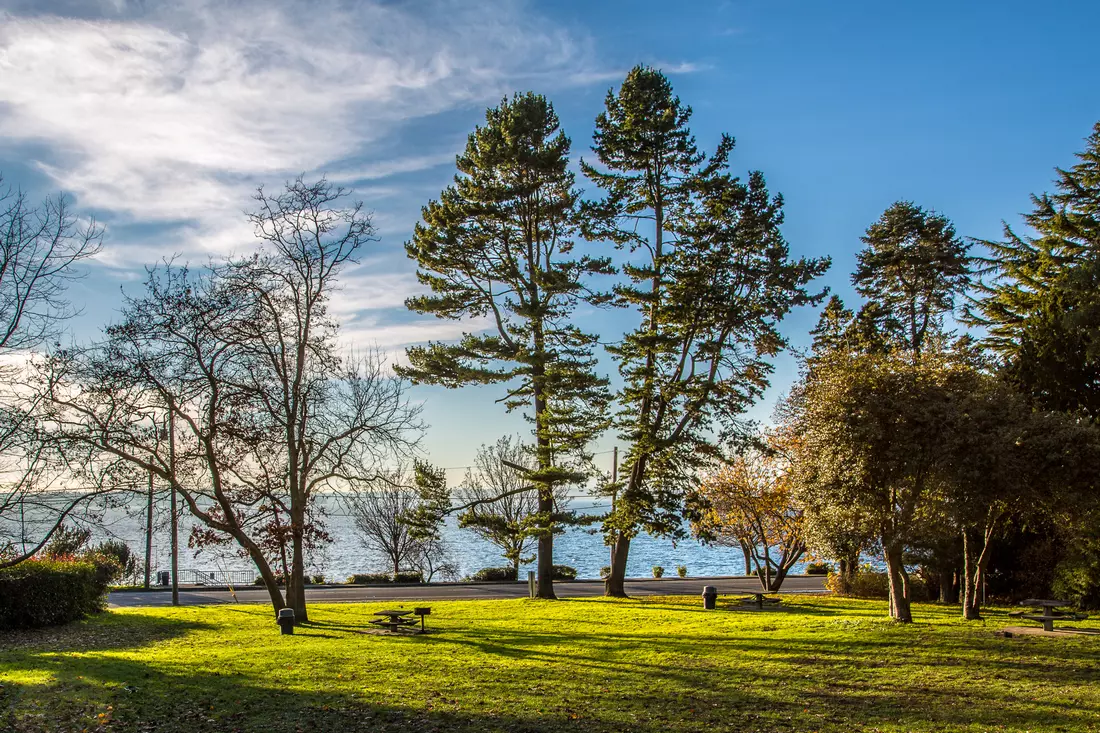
column 175, row 519
column 149, row 533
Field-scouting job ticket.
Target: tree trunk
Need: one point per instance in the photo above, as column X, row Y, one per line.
column 899, row 598
column 970, row 603
column 269, row 580
column 545, row 585
column 615, row 586
column 296, row 578
column 777, row 581
column 748, row 557
column 947, row 586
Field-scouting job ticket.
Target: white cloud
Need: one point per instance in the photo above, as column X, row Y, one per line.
column 395, row 166
column 389, row 336
column 173, row 115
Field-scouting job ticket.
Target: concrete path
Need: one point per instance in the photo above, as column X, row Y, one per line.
column 193, row 596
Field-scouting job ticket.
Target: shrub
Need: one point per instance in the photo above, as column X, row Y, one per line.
column 564, row 572
column 279, row 579
column 409, row 576
column 605, row 571
column 1077, row 580
column 486, row 575
column 128, row 566
column 48, row 592
column 818, row 568
column 658, row 571
column 317, row 579
column 370, row 578
column 867, row 583
column 682, row 570
column 67, row 542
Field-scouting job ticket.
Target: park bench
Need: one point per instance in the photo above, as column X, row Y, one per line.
column 1047, row 612
column 395, row 620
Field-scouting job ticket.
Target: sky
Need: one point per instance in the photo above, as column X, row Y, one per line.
column 162, row 118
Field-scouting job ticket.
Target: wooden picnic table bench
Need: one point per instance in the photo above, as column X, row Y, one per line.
column 1048, row 612
column 394, row 619
column 759, row 599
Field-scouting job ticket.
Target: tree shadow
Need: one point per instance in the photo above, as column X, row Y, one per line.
column 101, row 632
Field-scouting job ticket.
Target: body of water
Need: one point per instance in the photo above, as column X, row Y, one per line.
column 579, row 547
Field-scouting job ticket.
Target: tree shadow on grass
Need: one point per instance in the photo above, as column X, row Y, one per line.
column 99, row 633
column 108, row 692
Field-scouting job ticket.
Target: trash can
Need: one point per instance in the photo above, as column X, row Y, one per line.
column 286, row 620
column 710, row 596
column 164, row 577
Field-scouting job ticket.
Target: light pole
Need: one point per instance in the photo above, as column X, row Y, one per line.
column 175, row 519
column 149, row 533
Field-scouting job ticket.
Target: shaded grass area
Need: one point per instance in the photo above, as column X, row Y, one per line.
column 646, row 665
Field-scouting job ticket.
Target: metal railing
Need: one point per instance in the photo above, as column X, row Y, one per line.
column 191, row 576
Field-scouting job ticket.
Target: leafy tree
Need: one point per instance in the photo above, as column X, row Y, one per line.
column 1041, row 303
column 750, row 504
column 502, row 510
column 872, row 427
column 241, row 364
column 497, row 245
column 709, row 276
column 911, row 269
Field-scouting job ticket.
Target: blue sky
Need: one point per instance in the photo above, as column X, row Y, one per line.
column 162, row 117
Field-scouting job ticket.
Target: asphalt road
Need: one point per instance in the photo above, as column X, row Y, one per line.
column 458, row 591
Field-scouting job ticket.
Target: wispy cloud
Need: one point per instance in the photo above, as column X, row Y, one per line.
column 164, row 117
column 173, row 114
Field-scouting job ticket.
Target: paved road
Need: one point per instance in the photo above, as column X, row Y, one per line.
column 458, row 591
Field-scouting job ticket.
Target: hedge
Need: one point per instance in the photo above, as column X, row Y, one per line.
column 872, row 584
column 49, row 592
column 413, row 576
column 486, row 575
column 564, row 572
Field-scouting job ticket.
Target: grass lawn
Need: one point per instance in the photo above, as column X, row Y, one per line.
column 656, row 664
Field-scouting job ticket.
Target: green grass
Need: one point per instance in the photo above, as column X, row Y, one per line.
column 648, row 665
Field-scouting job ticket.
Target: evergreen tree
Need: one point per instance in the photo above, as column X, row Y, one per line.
column 1041, row 308
column 710, row 278
column 497, row 244
column 911, row 269
column 833, row 326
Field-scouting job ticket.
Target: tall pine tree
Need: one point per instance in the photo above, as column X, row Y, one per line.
column 498, row 245
column 709, row 276
column 911, row 269
column 1041, row 306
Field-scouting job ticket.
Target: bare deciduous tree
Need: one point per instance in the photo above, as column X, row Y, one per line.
column 390, row 510
column 40, row 247
column 243, row 362
column 40, row 250
column 502, row 507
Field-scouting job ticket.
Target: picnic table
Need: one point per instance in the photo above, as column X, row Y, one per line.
column 1047, row 612
column 394, row 619
column 759, row 599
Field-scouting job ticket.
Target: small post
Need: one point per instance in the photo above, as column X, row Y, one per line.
column 531, row 583
column 286, row 620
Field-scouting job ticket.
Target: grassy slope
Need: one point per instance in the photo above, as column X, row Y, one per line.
column 657, row 664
